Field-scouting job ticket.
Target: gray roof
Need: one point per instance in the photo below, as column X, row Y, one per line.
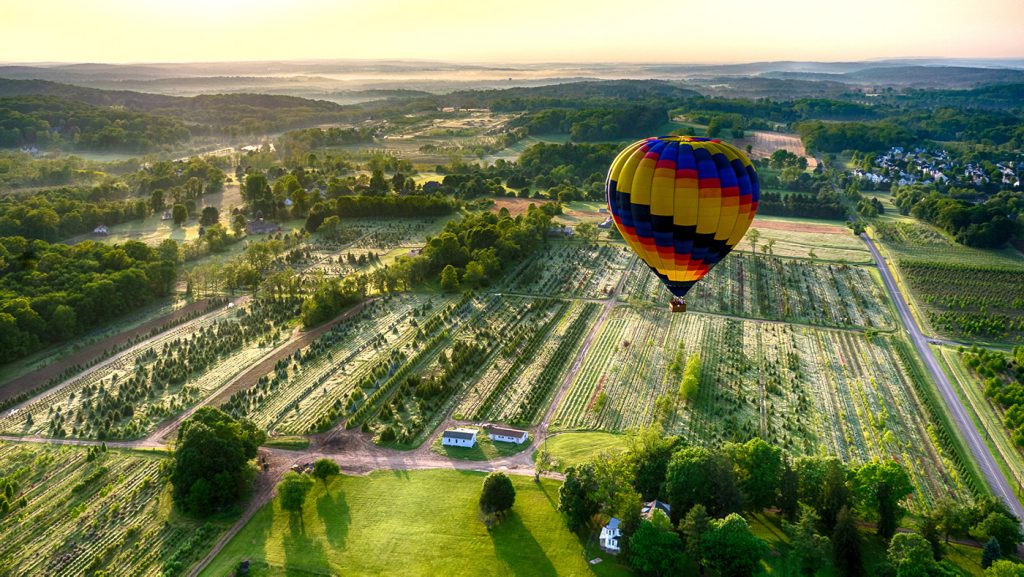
column 457, row 435
column 502, row 431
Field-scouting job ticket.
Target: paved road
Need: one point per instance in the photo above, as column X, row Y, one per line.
column 982, row 454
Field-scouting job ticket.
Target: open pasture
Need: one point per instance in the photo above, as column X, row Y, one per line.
column 411, row 523
column 808, row 390
column 87, row 511
column 805, row 238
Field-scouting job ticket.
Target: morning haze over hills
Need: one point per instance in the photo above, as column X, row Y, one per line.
column 404, row 288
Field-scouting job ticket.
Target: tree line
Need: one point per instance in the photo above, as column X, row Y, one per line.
column 820, row 499
column 988, row 224
column 52, row 292
column 52, row 122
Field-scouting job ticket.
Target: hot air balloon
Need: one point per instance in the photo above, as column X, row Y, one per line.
column 682, row 203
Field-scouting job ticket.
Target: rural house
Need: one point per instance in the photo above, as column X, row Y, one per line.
column 650, row 506
column 459, row 437
column 610, row 534
column 508, row 435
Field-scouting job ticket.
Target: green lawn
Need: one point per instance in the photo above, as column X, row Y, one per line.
column 411, row 523
column 568, row 449
column 484, row 450
column 288, row 442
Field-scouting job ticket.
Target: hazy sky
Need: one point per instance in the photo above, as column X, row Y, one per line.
column 683, row 31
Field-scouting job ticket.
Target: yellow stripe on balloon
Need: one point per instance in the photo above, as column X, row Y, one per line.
column 663, row 192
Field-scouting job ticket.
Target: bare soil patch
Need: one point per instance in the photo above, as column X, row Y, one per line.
column 800, row 227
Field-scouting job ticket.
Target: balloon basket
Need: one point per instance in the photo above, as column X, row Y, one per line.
column 677, row 305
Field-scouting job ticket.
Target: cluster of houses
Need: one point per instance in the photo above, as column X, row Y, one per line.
column 611, row 532
column 926, row 166
column 466, row 437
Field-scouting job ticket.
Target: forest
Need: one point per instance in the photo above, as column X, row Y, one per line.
column 988, row 224
column 49, row 122
column 52, row 292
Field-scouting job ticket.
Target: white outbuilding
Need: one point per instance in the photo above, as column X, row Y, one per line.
column 459, row 437
column 508, row 435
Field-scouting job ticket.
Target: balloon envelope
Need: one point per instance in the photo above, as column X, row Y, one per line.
column 682, row 203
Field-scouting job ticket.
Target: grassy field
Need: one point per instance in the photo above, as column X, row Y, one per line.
column 568, row 449
column 806, row 389
column 410, row 523
column 807, row 238
column 110, row 511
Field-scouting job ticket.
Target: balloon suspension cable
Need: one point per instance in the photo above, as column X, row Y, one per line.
column 677, row 305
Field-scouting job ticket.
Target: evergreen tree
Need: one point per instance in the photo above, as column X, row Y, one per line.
column 991, row 553
column 846, row 545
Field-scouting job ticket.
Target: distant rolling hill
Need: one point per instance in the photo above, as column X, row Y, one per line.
column 915, row 76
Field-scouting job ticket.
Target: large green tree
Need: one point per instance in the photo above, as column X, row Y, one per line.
column 324, row 469
column 879, row 487
column 910, row 555
column 292, row 491
column 731, row 548
column 575, row 496
column 654, row 550
column 210, row 469
column 497, row 494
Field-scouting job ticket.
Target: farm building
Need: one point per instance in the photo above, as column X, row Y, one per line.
column 459, row 437
column 610, row 534
column 261, row 226
column 560, row 231
column 508, row 435
column 650, row 506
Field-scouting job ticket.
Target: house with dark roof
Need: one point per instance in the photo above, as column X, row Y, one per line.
column 459, row 437
column 649, row 507
column 260, row 226
column 508, row 435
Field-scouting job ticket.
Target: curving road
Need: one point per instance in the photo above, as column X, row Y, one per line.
column 982, row 455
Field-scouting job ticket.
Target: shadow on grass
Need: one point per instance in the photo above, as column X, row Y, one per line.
column 332, row 509
column 302, row 553
column 518, row 550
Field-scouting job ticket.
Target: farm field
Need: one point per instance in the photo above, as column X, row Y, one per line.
column 50, row 365
column 762, row 286
column 570, row 269
column 516, row 387
column 960, row 292
column 410, row 523
column 130, row 396
column 806, row 238
column 335, row 374
column 806, row 389
column 763, row 144
column 87, row 510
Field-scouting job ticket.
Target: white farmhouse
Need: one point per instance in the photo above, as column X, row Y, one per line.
column 610, row 534
column 459, row 437
column 508, row 435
